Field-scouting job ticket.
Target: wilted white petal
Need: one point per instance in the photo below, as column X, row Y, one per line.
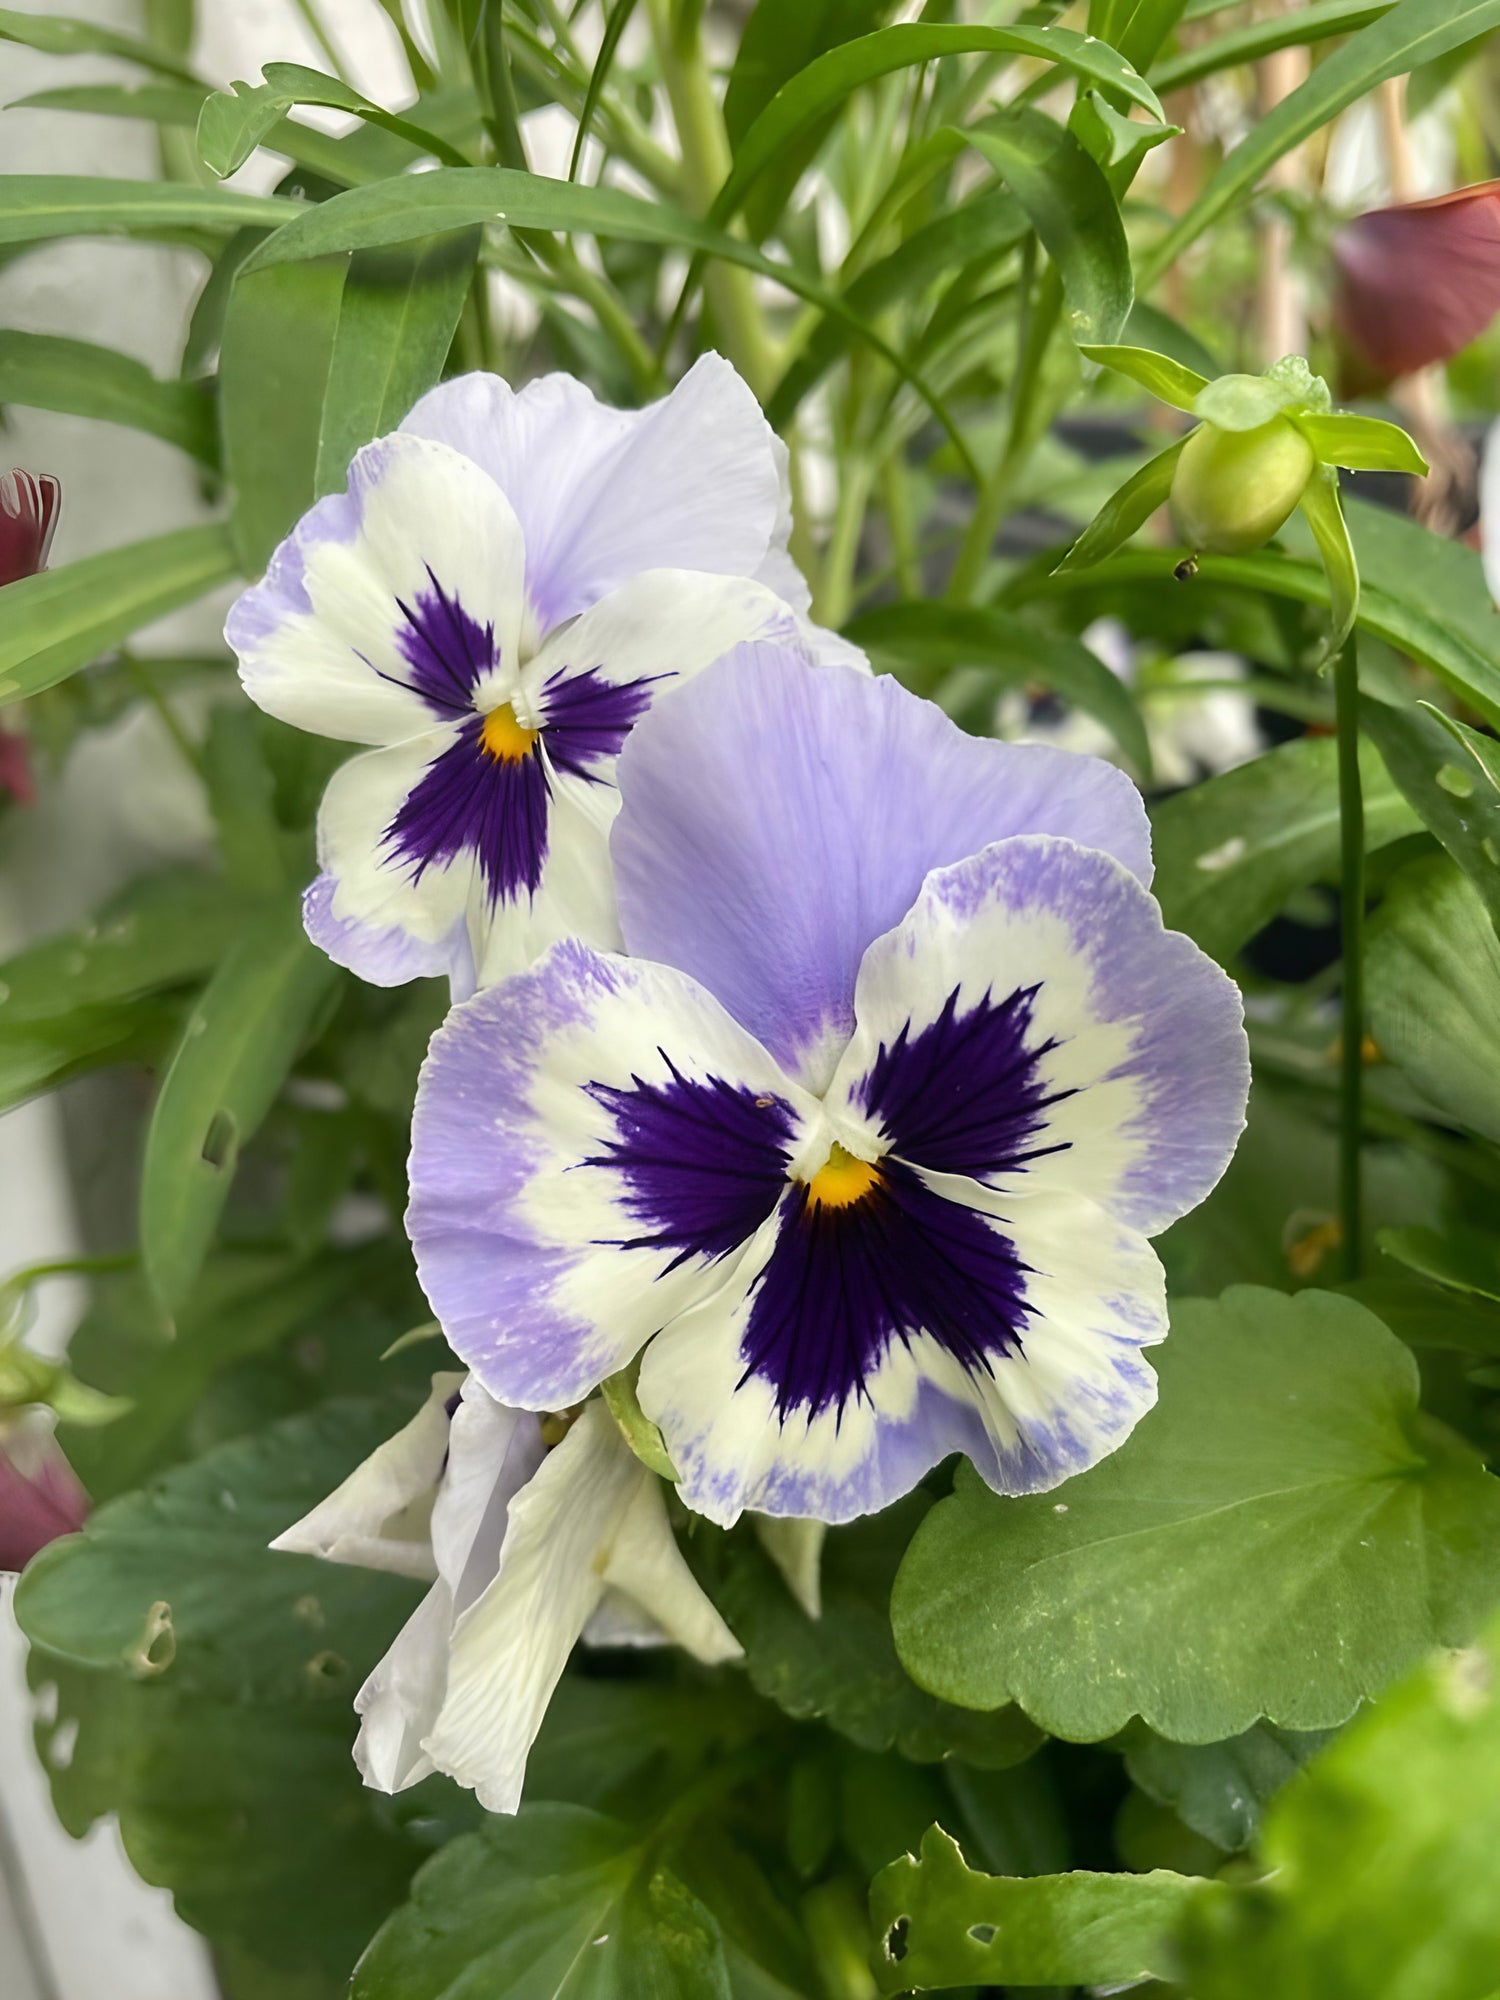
column 645, row 1565
column 380, row 1518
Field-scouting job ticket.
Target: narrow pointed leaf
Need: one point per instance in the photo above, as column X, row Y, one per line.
column 1168, row 380
column 37, row 207
column 234, row 122
column 60, row 35
column 1325, row 516
column 1297, row 27
column 46, row 372
column 1126, row 510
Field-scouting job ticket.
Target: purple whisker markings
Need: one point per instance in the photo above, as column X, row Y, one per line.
column 469, row 801
column 963, row 1095
column 703, row 1162
column 445, row 648
column 843, row 1283
column 587, row 717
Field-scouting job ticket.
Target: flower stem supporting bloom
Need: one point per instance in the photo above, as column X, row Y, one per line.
column 1352, row 901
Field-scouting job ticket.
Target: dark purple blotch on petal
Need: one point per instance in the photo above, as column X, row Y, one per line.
column 446, row 650
column 587, row 717
column 843, row 1282
column 494, row 807
column 703, row 1162
column 962, row 1095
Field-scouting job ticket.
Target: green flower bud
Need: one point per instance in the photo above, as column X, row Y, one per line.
column 1233, row 489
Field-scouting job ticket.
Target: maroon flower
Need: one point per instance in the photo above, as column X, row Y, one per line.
column 28, row 514
column 1416, row 283
column 40, row 1497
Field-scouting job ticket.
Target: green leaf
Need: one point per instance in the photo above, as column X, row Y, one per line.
column 1361, row 444
column 1220, row 1789
column 1466, row 1260
column 177, row 1582
column 842, row 1668
column 1413, row 32
column 46, row 372
column 65, row 618
column 1072, row 210
column 824, row 85
column 59, row 35
column 555, row 1904
column 1169, row 381
column 37, row 207
column 1280, row 1538
column 234, row 122
column 1231, row 851
column 1432, row 963
column 1137, row 28
column 1428, row 1315
column 1014, row 652
column 399, row 312
column 39, row 1055
column 1299, row 27
column 1379, row 1864
column 1128, row 509
column 614, row 28
column 404, row 208
column 241, row 796
column 982, row 228
column 1444, row 770
column 237, row 1046
column 280, row 333
column 940, row 1924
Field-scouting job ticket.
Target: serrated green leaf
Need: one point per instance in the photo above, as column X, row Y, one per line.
column 1280, row 1538
column 1127, row 509
column 1073, row 211
column 842, row 1668
column 1432, row 963
column 1360, row 444
column 46, row 372
column 1379, row 1863
column 397, row 317
column 1229, row 852
column 234, row 122
column 1014, row 651
column 237, row 1046
column 555, row 1904
column 65, row 618
column 938, row 1923
column 1444, row 769
column 37, row 207
column 1168, row 380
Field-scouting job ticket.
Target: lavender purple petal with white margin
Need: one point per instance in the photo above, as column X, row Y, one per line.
column 862, row 1148
column 497, row 598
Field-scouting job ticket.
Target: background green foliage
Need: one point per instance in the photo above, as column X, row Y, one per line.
column 1220, row 1717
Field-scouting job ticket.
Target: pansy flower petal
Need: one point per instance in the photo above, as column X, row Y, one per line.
column 695, row 481
column 923, row 1328
column 389, row 603
column 593, row 1143
column 775, row 822
column 1031, row 1024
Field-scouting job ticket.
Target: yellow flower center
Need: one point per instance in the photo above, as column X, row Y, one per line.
column 505, row 739
column 842, row 1179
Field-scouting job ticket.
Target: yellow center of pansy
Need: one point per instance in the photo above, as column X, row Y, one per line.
column 842, row 1179
column 505, row 739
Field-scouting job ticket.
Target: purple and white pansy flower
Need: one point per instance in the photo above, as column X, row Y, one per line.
column 861, row 1148
column 527, row 1550
column 503, row 589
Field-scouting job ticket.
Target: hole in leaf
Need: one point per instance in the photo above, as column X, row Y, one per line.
column 326, row 1668
column 895, row 1940
column 156, row 1648
column 982, row 1933
column 221, row 1143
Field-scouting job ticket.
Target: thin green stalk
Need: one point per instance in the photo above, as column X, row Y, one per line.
column 142, row 675
column 1352, row 897
column 836, row 589
column 900, row 519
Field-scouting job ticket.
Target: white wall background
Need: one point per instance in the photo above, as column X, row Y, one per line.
column 75, row 1923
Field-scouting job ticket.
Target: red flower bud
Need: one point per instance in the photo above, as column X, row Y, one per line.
column 40, row 1497
column 1416, row 283
column 28, row 513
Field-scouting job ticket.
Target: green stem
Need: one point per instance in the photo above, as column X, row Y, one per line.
column 705, row 163
column 1352, row 897
column 1038, row 323
column 836, row 587
column 184, row 744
